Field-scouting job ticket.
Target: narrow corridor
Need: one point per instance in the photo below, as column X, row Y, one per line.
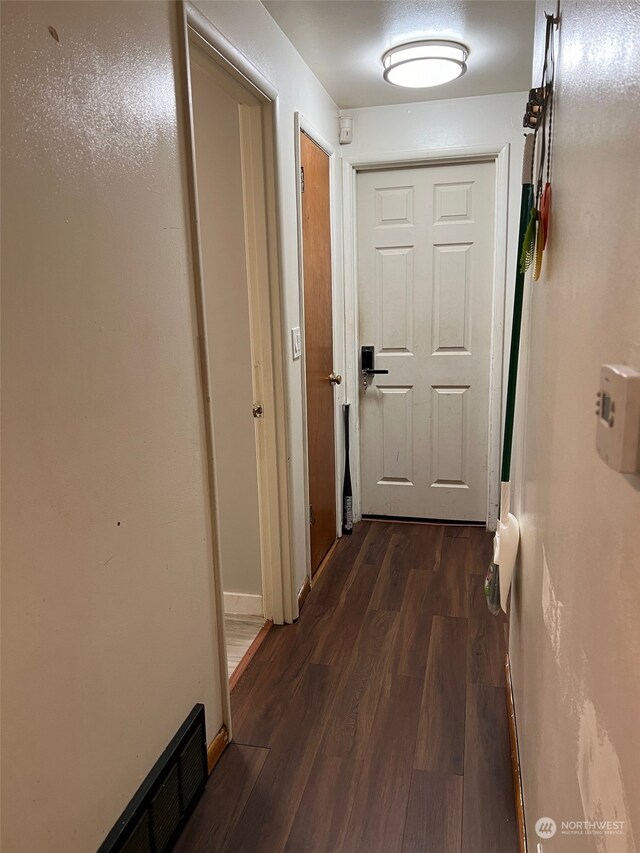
column 378, row 721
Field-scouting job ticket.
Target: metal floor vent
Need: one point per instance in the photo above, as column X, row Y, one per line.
column 154, row 818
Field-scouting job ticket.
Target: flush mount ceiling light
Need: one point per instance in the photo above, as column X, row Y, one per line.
column 419, row 64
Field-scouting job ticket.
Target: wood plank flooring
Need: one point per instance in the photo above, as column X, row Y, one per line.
column 377, row 722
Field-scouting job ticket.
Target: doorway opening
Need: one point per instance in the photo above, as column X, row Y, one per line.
column 234, row 225
column 223, row 121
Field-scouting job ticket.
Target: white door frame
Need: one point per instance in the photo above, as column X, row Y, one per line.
column 301, row 124
column 499, row 154
column 267, row 309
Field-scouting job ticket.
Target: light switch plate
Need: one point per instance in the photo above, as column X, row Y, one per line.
column 296, row 343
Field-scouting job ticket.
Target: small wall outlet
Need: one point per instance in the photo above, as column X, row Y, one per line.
column 296, row 343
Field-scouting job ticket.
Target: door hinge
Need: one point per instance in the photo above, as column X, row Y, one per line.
column 311, row 515
column 258, row 410
column 301, row 179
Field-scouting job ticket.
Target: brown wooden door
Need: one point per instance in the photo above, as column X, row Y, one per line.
column 318, row 347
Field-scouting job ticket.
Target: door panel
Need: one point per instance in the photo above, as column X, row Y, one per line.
column 318, row 347
column 449, row 437
column 451, row 311
column 396, row 423
column 395, row 298
column 425, row 270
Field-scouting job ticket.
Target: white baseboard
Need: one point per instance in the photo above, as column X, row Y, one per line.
column 243, row 604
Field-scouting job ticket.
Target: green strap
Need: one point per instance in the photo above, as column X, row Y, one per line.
column 526, row 205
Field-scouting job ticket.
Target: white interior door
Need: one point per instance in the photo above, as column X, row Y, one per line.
column 425, row 274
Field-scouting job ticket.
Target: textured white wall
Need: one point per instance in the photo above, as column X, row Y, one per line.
column 108, row 601
column 575, row 632
column 108, row 622
column 250, row 28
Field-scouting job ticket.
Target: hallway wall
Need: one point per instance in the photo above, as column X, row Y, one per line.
column 250, row 28
column 108, row 605
column 108, row 620
column 575, row 631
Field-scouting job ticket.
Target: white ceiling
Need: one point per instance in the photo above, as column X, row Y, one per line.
column 342, row 41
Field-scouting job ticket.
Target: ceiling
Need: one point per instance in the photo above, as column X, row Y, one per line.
column 342, row 41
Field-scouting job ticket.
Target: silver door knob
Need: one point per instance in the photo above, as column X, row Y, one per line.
column 335, row 378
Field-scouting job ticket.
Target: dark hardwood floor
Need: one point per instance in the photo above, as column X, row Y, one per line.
column 377, row 722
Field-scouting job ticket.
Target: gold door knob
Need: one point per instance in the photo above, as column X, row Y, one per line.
column 335, row 378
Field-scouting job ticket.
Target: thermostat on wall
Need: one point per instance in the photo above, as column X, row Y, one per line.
column 618, row 411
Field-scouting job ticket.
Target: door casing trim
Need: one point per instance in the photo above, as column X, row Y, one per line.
column 302, row 125
column 351, row 165
column 276, row 540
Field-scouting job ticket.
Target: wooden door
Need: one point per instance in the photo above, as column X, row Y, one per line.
column 425, row 269
column 318, row 347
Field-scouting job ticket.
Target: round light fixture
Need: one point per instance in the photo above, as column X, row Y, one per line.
column 419, row 64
